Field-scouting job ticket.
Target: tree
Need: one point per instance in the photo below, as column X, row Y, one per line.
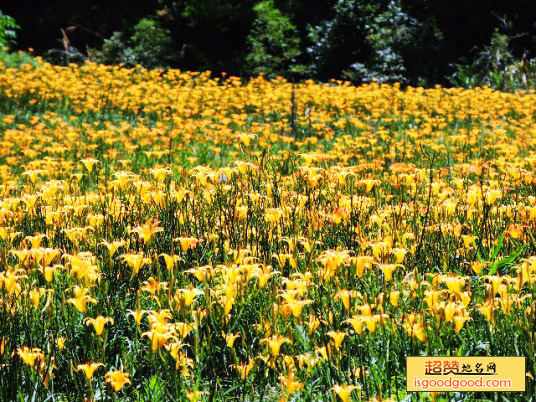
column 391, row 30
column 496, row 67
column 8, row 28
column 149, row 45
column 339, row 41
column 210, row 34
column 362, row 41
column 274, row 42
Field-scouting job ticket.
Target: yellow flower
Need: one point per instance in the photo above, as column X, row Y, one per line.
column 187, row 243
column 454, row 283
column 288, row 384
column 388, row 269
column 152, row 286
column 60, row 342
column 193, row 396
column 135, row 261
column 344, row 295
column 147, row 230
column 449, row 311
column 170, row 260
column 89, row 163
column 188, row 295
column 230, row 338
column 244, row 368
column 459, row 320
column 264, row 274
column 477, row 267
column 88, row 368
column 399, row 253
column 313, row 323
column 159, row 317
column 82, row 266
column 344, row 391
column 29, row 356
column 35, row 241
column 137, row 315
column 275, row 342
column 98, row 323
column 468, row 240
column 32, row 174
column 372, row 320
column 246, row 138
column 117, row 379
column 338, row 337
column 487, row 309
column 332, row 259
column 183, row 362
column 159, row 336
column 49, row 272
column 393, row 297
column 35, row 296
column 174, row 349
column 416, row 330
column 113, row 246
column 357, row 323
column 296, row 306
column 183, row 329
column 10, row 280
column 81, row 299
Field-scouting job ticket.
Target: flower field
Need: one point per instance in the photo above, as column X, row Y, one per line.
column 171, row 235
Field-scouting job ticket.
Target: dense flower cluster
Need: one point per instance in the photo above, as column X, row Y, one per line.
column 205, row 234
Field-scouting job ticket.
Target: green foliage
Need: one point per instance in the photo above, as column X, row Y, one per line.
column 17, row 59
column 390, row 31
column 496, row 67
column 64, row 57
column 212, row 34
column 362, row 41
column 500, row 264
column 274, row 42
column 149, row 46
column 112, row 50
column 411, row 41
column 338, row 42
column 8, row 28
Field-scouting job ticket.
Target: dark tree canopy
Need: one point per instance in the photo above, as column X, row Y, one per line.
column 413, row 41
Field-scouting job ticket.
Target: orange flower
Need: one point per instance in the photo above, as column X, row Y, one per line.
column 117, row 379
column 146, row 231
column 29, row 356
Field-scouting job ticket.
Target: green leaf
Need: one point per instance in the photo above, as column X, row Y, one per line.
column 477, row 252
column 497, row 248
column 504, row 262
